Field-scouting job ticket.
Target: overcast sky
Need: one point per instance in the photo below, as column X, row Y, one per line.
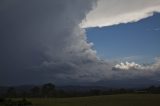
column 48, row 41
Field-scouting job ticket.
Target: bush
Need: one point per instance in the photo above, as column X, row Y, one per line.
column 2, row 100
column 22, row 102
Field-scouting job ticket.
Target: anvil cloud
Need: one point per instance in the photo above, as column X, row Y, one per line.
column 113, row 12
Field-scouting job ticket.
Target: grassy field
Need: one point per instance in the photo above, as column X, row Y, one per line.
column 109, row 100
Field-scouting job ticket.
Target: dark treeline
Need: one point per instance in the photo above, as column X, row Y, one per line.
column 50, row 90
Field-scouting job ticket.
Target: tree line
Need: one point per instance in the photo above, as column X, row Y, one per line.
column 49, row 90
column 46, row 90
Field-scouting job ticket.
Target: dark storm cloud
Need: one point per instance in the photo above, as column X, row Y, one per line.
column 41, row 41
column 35, row 32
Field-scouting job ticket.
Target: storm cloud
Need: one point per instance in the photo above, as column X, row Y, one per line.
column 42, row 41
column 114, row 12
column 38, row 33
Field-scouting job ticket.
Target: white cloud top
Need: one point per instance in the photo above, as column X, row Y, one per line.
column 128, row 66
column 132, row 66
column 113, row 12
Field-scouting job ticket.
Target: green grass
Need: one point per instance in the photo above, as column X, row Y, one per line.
column 109, row 100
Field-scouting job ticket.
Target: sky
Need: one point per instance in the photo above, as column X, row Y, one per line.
column 137, row 41
column 79, row 42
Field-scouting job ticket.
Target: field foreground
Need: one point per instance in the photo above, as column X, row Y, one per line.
column 108, row 100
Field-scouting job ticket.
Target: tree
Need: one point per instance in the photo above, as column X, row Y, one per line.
column 11, row 92
column 35, row 91
column 48, row 90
